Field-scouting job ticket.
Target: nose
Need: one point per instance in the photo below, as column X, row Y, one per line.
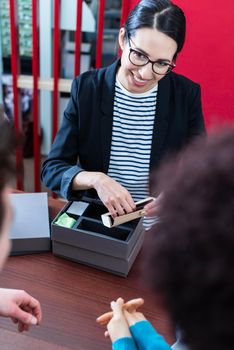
column 146, row 71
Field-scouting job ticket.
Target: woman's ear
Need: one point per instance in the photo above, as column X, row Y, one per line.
column 122, row 41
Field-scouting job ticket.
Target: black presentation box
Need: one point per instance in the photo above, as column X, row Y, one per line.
column 91, row 243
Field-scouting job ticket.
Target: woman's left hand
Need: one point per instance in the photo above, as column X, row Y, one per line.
column 152, row 208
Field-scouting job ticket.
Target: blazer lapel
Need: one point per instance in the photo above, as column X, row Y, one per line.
column 107, row 104
column 161, row 121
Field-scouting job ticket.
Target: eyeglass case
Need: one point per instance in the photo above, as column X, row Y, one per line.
column 108, row 221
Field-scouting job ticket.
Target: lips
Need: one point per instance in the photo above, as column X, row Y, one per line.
column 138, row 82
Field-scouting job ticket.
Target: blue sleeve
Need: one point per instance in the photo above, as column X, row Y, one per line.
column 125, row 343
column 146, row 337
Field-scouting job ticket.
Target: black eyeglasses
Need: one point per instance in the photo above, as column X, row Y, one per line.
column 137, row 58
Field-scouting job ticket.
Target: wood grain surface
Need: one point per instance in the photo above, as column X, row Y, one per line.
column 72, row 297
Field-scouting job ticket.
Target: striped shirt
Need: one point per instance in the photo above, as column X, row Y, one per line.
column 133, row 123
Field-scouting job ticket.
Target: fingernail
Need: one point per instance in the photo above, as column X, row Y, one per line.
column 33, row 320
column 143, row 212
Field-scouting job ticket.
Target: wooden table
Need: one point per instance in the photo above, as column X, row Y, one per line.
column 72, row 296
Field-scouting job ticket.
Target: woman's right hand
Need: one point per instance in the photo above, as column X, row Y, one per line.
column 117, row 327
column 23, row 309
column 114, row 196
column 121, row 320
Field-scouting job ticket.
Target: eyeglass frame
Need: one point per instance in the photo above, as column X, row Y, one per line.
column 170, row 68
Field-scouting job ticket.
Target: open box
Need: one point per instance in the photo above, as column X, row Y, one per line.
column 90, row 242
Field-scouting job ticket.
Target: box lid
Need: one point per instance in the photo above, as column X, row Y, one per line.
column 30, row 230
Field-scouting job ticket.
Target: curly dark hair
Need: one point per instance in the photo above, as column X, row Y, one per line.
column 192, row 250
column 7, row 164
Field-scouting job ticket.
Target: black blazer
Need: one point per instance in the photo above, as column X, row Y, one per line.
column 84, row 139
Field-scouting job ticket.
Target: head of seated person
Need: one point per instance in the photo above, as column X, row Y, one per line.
column 192, row 249
column 6, row 172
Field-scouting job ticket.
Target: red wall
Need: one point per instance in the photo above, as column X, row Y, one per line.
column 208, row 55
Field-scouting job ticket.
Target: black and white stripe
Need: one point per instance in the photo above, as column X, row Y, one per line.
column 133, row 123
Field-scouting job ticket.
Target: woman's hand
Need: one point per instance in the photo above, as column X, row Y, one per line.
column 121, row 318
column 21, row 307
column 131, row 306
column 115, row 197
column 133, row 317
column 152, row 208
column 117, row 327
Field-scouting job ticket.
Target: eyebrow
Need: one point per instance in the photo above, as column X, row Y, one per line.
column 145, row 53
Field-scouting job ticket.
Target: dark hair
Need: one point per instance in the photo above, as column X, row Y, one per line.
column 7, row 167
column 160, row 14
column 192, row 257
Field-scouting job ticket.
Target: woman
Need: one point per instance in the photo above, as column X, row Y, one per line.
column 121, row 120
column 191, row 260
column 22, row 308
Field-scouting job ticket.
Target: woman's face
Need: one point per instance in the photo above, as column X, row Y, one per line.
column 4, row 234
column 153, row 44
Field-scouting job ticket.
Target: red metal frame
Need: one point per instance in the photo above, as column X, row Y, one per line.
column 100, row 27
column 14, row 33
column 78, row 37
column 36, row 122
column 56, row 67
column 124, row 15
column 56, row 70
column 124, row 11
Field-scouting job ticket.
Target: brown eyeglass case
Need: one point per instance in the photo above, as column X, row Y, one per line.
column 109, row 221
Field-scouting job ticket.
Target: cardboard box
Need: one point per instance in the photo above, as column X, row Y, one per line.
column 90, row 242
column 30, row 229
